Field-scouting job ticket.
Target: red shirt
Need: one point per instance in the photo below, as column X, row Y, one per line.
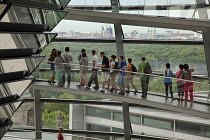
column 179, row 75
column 60, row 137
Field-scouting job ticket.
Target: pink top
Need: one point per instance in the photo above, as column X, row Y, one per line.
column 179, row 75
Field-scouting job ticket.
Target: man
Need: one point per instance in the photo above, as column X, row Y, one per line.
column 105, row 71
column 67, row 67
column 94, row 76
column 79, row 58
column 144, row 78
column 168, row 81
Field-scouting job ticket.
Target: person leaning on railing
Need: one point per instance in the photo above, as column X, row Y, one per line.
column 53, row 55
column 83, row 69
column 59, row 67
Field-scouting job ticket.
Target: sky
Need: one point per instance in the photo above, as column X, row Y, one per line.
column 80, row 26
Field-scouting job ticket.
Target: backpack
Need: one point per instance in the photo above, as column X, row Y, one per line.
column 134, row 69
column 187, row 75
column 116, row 65
column 147, row 69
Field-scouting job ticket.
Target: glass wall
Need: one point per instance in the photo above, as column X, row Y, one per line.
column 135, row 119
column 190, row 128
column 158, row 123
column 84, row 30
column 97, row 112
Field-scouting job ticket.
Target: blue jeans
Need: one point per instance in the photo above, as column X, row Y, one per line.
column 121, row 80
column 67, row 71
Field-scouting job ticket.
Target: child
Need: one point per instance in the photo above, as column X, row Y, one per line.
column 168, row 81
column 60, row 136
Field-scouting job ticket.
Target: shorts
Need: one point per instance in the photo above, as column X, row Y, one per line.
column 53, row 71
column 112, row 74
column 83, row 72
column 104, row 76
column 121, row 80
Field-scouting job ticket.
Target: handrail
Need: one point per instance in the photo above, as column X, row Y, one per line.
column 136, row 73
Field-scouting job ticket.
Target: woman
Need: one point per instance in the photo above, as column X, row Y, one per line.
column 188, row 85
column 53, row 55
column 84, row 68
column 113, row 73
column 59, row 67
column 130, row 77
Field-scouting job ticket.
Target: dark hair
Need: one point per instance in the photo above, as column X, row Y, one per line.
column 168, row 65
column 143, row 58
column 58, row 52
column 129, row 60
column 113, row 56
column 84, row 55
column 122, row 57
column 181, row 66
column 186, row 66
column 83, row 50
column 67, row 49
column 53, row 53
column 102, row 53
column 93, row 51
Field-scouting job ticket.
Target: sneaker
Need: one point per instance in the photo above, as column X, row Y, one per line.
column 87, row 88
column 127, row 91
column 60, row 85
column 48, row 82
column 121, row 93
column 102, row 90
column 136, row 91
column 173, row 98
column 53, row 82
column 111, row 90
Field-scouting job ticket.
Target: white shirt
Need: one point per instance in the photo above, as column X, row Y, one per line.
column 95, row 59
column 67, row 57
column 112, row 66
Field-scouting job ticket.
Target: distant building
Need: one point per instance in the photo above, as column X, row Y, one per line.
column 134, row 34
column 107, row 31
column 151, row 33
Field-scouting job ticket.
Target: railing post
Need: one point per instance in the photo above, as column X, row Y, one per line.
column 126, row 121
column 37, row 114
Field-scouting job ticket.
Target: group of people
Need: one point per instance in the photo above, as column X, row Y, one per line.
column 58, row 68
column 184, row 81
column 110, row 68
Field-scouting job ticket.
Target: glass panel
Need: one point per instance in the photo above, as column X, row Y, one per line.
column 135, row 119
column 195, row 129
column 93, row 127
column 90, row 2
column 81, row 29
column 90, row 111
column 37, row 16
column 138, row 32
column 159, row 123
column 120, row 130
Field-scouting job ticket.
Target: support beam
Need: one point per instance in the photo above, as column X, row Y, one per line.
column 119, row 40
column 206, row 42
column 126, row 121
column 38, row 114
column 139, row 20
